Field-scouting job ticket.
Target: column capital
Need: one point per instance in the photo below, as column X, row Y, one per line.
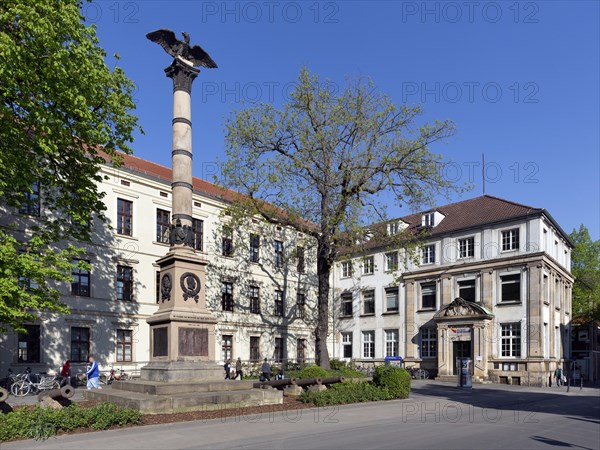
column 182, row 75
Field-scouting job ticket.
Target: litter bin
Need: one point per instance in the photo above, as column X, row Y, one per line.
column 393, row 361
column 463, row 366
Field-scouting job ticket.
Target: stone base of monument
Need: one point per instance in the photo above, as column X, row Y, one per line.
column 156, row 397
column 181, row 371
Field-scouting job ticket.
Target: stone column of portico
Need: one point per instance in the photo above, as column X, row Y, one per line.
column 182, row 331
column 535, row 324
column 410, row 326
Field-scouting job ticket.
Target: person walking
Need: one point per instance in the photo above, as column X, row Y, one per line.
column 558, row 376
column 238, row 369
column 92, row 373
column 266, row 371
column 65, row 373
column 227, row 368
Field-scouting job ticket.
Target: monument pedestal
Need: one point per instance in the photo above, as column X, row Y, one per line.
column 182, row 331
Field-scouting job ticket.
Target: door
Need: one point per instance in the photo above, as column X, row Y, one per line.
column 461, row 349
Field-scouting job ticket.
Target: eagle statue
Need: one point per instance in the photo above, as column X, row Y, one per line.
column 181, row 49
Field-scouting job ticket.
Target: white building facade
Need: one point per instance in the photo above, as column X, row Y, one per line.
column 490, row 282
column 260, row 282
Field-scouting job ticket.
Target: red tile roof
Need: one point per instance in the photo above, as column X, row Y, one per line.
column 163, row 173
column 472, row 213
column 463, row 215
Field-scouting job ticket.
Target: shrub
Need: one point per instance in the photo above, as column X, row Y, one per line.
column 396, row 379
column 313, row 372
column 42, row 423
column 349, row 392
column 337, row 364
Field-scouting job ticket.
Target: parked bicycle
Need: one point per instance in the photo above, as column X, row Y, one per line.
column 417, row 373
column 113, row 376
column 26, row 386
column 9, row 380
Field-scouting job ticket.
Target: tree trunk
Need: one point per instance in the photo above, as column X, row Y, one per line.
column 322, row 329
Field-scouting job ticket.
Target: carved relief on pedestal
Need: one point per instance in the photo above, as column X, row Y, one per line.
column 190, row 285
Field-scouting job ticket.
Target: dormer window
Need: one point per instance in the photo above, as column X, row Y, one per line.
column 429, row 219
column 393, row 228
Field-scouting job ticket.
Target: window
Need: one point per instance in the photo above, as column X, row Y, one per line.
column 428, row 296
column 227, row 296
column 163, row 222
column 254, row 348
column 368, row 265
column 557, row 292
column 226, row 346
column 510, row 288
column 124, row 217
column 124, row 283
column 393, row 228
column 29, row 344
column 300, row 350
column 368, row 344
column 347, row 345
column 511, row 340
column 429, row 220
column 80, row 344
column 391, row 342
column 254, row 299
column 346, row 269
column 347, row 309
column 391, row 299
column 546, row 289
column 31, row 201
column 28, row 283
column 466, row 247
column 278, row 254
column 254, row 248
column 279, row 303
column 368, row 302
column 300, row 267
column 510, row 240
column 428, row 254
column 124, row 340
column 391, row 261
column 198, row 228
column 278, row 353
column 428, row 342
column 466, row 290
column 300, row 305
column 227, row 242
column 81, row 280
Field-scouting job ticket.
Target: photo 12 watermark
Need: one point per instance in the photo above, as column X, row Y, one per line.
column 122, row 12
column 525, row 12
column 268, row 12
column 470, row 92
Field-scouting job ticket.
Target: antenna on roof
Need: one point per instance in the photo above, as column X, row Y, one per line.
column 483, row 171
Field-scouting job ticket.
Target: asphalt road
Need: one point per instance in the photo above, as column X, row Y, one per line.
column 436, row 416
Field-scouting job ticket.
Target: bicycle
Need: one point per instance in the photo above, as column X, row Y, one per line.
column 9, row 380
column 113, row 376
column 25, row 386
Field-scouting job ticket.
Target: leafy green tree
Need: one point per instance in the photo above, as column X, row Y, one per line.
column 325, row 163
column 585, row 266
column 59, row 103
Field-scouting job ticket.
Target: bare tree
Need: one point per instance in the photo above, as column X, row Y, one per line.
column 324, row 163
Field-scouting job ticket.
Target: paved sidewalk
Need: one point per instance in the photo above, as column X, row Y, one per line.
column 436, row 416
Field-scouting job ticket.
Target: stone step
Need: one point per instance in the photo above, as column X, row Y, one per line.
column 202, row 401
column 158, row 388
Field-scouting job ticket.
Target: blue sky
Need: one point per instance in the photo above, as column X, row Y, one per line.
column 519, row 79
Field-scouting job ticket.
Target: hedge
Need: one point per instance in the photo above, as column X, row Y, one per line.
column 42, row 423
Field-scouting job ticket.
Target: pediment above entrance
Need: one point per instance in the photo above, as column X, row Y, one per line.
column 461, row 308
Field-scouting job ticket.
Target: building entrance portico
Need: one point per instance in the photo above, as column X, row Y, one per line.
column 462, row 327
